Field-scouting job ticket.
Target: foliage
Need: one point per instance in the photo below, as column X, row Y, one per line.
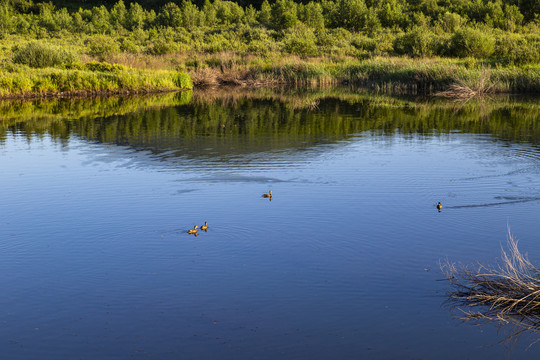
column 182, row 81
column 93, row 77
column 300, row 41
column 102, row 46
column 103, row 67
column 327, row 34
column 38, row 54
column 472, row 42
column 284, row 14
column 455, row 28
column 417, row 42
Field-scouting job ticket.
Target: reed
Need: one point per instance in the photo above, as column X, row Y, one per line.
column 467, row 88
column 507, row 293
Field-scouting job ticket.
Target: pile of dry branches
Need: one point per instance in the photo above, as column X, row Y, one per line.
column 508, row 293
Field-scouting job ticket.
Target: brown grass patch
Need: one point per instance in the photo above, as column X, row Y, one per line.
column 464, row 89
column 507, row 293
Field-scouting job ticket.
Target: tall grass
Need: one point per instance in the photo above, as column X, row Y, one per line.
column 90, row 79
column 507, row 293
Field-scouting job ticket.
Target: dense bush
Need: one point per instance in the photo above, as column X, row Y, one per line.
column 515, row 49
column 300, row 41
column 284, row 14
column 472, row 42
column 162, row 46
column 417, row 43
column 39, row 55
column 182, row 81
column 102, row 46
column 499, row 30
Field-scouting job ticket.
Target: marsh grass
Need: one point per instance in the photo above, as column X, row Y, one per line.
column 506, row 293
column 92, row 78
column 474, row 86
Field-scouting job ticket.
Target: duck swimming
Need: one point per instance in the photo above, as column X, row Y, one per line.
column 193, row 231
column 439, row 206
column 204, row 227
column 269, row 195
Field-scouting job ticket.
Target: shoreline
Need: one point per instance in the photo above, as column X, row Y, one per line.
column 393, row 75
column 90, row 79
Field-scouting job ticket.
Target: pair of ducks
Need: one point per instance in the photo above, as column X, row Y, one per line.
column 194, row 230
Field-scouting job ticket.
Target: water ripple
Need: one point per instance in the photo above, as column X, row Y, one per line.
column 511, row 200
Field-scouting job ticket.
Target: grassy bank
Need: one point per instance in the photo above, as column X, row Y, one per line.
column 89, row 79
column 438, row 76
column 386, row 74
column 455, row 49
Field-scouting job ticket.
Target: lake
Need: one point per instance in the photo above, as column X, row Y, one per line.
column 343, row 262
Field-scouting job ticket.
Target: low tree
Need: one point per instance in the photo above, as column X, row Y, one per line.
column 284, row 14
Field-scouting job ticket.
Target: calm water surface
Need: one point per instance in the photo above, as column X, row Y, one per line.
column 97, row 197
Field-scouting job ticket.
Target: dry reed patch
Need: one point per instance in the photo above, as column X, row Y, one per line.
column 507, row 293
column 230, row 76
column 464, row 89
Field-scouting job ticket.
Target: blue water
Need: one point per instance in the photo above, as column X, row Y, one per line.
column 96, row 262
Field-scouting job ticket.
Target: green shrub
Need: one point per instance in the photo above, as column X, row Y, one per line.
column 385, row 42
column 334, row 37
column 517, row 50
column 417, row 42
column 258, row 47
column 129, row 46
column 39, row 55
column 364, row 43
column 216, row 43
column 162, row 46
column 472, row 42
column 102, row 47
column 284, row 14
column 103, row 67
column 182, row 80
column 312, row 15
column 300, row 41
column 451, row 22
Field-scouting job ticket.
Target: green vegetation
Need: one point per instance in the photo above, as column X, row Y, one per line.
column 85, row 80
column 405, row 45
